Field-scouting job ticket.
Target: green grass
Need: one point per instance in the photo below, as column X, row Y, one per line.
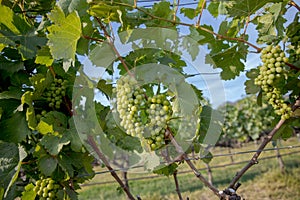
column 263, row 181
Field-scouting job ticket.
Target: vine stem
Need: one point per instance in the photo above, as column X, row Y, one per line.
column 91, row 38
column 292, row 66
column 106, row 163
column 176, row 10
column 190, row 164
column 111, row 43
column 254, row 159
column 292, row 3
column 177, row 185
column 200, row 14
column 219, row 36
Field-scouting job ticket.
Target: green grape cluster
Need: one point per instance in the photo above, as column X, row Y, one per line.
column 271, row 76
column 56, row 92
column 142, row 116
column 46, row 188
column 159, row 112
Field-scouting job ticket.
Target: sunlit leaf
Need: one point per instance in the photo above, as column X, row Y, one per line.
column 63, row 34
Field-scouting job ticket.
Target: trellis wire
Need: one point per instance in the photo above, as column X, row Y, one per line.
column 216, row 155
column 186, row 171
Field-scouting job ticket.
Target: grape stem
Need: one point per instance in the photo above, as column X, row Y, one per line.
column 111, row 43
column 292, row 3
column 184, row 156
column 177, row 185
column 176, row 10
column 292, row 66
column 200, row 14
column 93, row 144
column 91, row 38
column 254, row 159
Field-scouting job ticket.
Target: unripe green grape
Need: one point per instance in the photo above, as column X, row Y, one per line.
column 153, row 146
column 278, row 69
column 50, row 186
column 40, row 192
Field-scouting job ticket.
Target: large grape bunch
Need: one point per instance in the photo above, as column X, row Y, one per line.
column 141, row 115
column 46, row 189
column 272, row 75
column 56, row 92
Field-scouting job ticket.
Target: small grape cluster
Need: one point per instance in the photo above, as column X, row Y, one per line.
column 39, row 116
column 46, row 188
column 134, row 106
column 56, row 92
column 272, row 73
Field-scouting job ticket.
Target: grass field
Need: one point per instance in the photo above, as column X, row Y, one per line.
column 264, row 181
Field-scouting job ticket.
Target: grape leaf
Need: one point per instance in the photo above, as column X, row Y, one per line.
column 54, row 144
column 72, row 135
column 29, row 193
column 44, row 128
column 105, row 88
column 210, row 125
column 166, row 170
column 30, row 117
column 11, row 157
column 69, row 6
column 19, row 79
column 66, row 164
column 191, row 46
column 15, row 30
column 250, row 87
column 214, row 44
column 12, row 93
column 244, row 8
column 271, row 25
column 47, row 165
column 188, row 12
column 63, row 34
column 57, row 120
column 192, row 13
column 14, row 129
column 284, row 132
column 102, row 55
column 213, row 8
column 44, row 56
column 10, row 67
column 231, row 67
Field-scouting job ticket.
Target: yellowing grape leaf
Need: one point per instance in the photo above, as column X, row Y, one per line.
column 44, row 128
column 63, row 34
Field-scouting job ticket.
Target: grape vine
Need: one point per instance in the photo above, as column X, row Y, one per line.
column 54, row 126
